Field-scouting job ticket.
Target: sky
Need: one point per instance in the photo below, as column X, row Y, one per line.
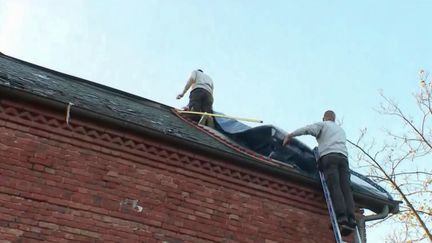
column 284, row 62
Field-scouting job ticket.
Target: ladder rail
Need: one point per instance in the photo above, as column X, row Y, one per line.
column 330, row 208
column 358, row 238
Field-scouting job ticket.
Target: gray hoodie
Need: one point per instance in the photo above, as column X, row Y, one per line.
column 331, row 137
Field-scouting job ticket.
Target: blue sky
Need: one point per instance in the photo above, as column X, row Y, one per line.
column 284, row 62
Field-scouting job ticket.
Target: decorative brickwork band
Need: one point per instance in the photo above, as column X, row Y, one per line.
column 34, row 120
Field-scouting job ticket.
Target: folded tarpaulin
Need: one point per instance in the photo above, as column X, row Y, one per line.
column 267, row 141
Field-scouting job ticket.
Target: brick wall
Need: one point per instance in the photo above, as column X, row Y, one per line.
column 85, row 183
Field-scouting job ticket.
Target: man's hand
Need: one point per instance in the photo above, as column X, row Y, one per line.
column 287, row 139
column 179, row 96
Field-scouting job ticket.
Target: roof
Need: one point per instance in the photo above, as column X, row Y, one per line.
column 110, row 103
column 101, row 99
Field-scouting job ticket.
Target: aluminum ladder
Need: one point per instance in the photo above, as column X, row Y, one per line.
column 330, row 207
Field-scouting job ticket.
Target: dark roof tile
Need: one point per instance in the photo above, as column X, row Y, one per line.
column 104, row 100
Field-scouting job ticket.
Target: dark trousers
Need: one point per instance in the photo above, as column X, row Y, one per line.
column 200, row 100
column 336, row 171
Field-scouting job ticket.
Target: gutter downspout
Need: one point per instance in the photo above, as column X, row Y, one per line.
column 362, row 222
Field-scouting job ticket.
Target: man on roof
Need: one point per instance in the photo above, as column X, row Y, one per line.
column 333, row 162
column 201, row 95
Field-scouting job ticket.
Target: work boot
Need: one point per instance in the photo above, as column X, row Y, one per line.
column 340, row 220
column 352, row 222
column 345, row 229
column 345, row 226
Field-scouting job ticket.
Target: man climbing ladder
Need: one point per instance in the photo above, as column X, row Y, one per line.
column 330, row 207
column 333, row 161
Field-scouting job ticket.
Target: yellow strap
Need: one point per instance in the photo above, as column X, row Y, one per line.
column 219, row 115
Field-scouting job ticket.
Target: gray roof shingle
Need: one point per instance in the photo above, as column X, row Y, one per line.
column 101, row 99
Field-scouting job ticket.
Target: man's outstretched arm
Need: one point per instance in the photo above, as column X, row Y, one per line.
column 187, row 87
column 313, row 129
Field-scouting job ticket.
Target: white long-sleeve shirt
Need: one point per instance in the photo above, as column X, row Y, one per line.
column 201, row 80
column 331, row 137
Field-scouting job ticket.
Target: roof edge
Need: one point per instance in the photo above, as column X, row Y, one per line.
column 115, row 122
column 85, row 81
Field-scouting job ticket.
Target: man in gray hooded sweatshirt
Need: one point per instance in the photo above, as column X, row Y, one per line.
column 333, row 161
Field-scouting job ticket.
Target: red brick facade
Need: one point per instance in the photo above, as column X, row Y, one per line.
column 84, row 182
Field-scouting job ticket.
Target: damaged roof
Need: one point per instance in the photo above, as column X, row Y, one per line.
column 17, row 74
column 111, row 103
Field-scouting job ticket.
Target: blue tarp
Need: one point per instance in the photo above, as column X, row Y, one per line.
column 267, row 140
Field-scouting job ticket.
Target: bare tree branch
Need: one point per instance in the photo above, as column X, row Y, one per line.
column 398, row 189
column 398, row 112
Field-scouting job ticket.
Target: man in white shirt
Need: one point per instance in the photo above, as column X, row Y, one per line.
column 333, row 161
column 201, row 95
